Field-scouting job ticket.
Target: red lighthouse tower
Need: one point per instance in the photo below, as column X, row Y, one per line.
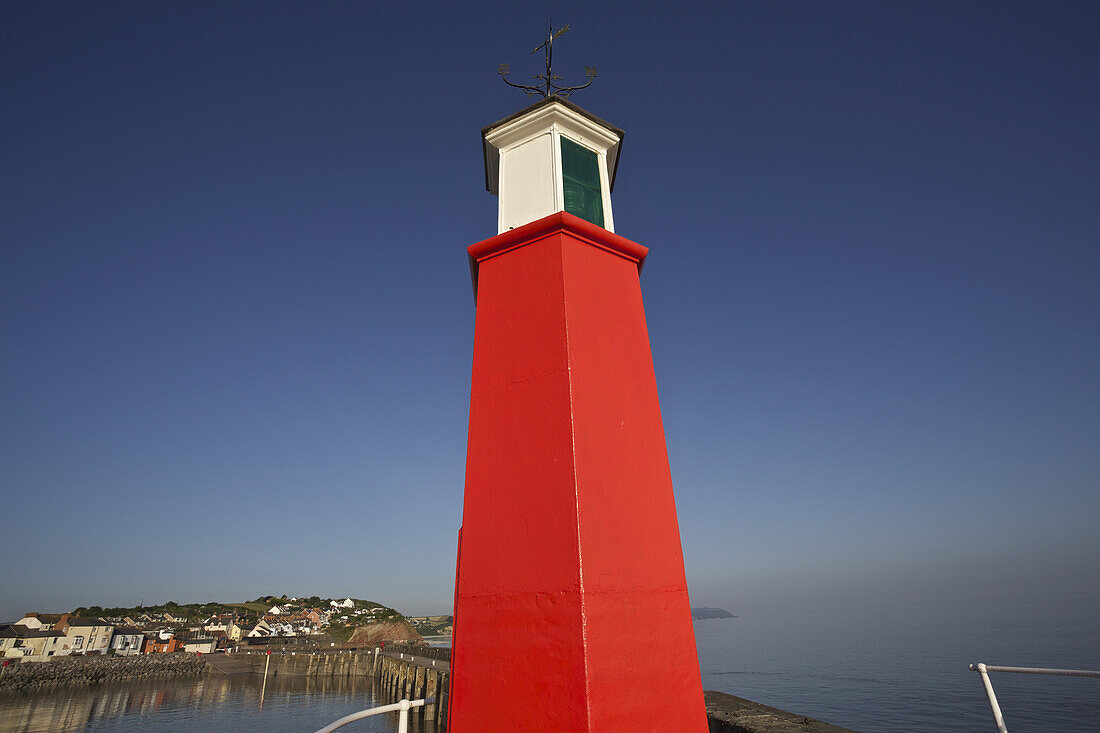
column 571, row 606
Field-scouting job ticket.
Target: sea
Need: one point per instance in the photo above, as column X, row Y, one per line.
column 897, row 668
column 882, row 668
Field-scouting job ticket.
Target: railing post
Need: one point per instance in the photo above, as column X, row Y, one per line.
column 997, row 717
column 403, row 718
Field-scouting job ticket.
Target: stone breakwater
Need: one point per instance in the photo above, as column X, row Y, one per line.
column 64, row 671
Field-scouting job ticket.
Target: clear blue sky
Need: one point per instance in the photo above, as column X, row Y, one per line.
column 237, row 321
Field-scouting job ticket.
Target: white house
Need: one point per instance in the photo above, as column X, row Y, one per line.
column 260, row 629
column 217, row 624
column 40, row 621
column 346, row 603
column 33, row 645
column 127, row 641
column 206, row 646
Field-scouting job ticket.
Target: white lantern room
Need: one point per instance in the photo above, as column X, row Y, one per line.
column 552, row 156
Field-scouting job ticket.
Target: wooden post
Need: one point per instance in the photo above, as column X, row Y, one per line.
column 444, row 703
column 431, row 688
column 263, row 689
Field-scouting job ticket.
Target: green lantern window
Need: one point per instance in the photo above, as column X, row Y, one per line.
column 580, row 170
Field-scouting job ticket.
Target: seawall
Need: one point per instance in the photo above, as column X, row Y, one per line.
column 64, row 671
column 358, row 663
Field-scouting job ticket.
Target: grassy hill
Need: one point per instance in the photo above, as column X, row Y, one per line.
column 256, row 607
column 251, row 609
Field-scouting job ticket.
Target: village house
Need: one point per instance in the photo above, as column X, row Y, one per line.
column 88, row 635
column 8, row 635
column 282, row 628
column 215, row 625
column 156, row 645
column 262, row 628
column 201, row 645
column 218, row 622
column 41, row 621
column 127, row 641
column 236, row 630
column 32, row 645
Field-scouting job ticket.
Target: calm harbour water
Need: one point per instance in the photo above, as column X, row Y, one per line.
column 895, row 669
column 879, row 669
column 207, row 703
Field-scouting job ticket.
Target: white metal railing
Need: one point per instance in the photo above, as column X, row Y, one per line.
column 402, row 707
column 985, row 669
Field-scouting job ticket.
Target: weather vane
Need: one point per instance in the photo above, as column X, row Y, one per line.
column 547, row 87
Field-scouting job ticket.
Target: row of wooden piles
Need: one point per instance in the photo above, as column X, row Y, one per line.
column 404, row 679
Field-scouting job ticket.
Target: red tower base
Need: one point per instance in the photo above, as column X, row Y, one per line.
column 571, row 607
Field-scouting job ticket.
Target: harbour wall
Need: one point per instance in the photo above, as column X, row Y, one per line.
column 356, row 663
column 67, row 670
column 414, row 673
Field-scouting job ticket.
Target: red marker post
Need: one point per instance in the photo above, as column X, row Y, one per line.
column 263, row 689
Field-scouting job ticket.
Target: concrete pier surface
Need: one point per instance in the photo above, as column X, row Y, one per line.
column 731, row 714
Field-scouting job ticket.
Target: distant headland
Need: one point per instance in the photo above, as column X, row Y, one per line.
column 701, row 613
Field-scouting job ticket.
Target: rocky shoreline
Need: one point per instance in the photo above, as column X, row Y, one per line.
column 80, row 671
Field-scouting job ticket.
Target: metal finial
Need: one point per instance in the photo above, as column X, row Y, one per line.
column 547, row 87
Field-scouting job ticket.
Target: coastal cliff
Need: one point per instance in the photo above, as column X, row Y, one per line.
column 373, row 634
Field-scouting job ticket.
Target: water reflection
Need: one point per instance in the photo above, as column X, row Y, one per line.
column 205, row 703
